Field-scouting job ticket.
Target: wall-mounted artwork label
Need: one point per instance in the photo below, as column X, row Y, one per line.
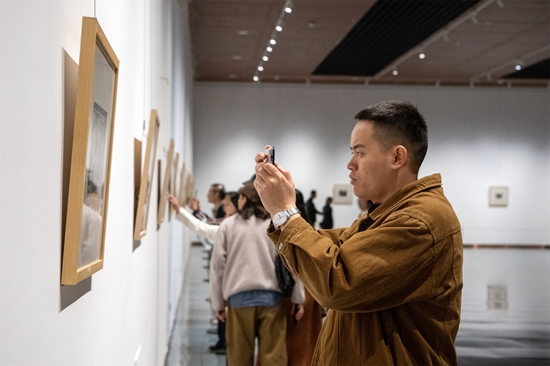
column 498, row 196
column 87, row 206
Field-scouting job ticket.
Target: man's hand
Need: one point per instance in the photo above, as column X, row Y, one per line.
column 298, row 311
column 274, row 185
column 221, row 315
column 174, row 202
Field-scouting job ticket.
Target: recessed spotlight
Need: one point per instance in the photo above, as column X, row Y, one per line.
column 518, row 67
column 395, row 72
column 260, row 68
column 272, row 41
column 288, row 10
column 269, row 49
column 255, row 78
column 265, row 58
column 279, row 28
column 422, row 56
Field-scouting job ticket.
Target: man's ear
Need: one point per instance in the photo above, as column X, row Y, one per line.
column 400, row 156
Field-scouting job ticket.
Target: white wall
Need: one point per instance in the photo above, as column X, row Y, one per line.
column 479, row 137
column 130, row 303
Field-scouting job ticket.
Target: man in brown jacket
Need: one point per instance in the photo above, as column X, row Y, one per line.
column 392, row 281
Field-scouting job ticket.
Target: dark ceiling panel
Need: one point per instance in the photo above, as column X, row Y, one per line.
column 540, row 70
column 388, row 30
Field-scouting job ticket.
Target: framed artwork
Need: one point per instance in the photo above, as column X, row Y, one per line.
column 173, row 185
column 165, row 184
column 88, row 199
column 189, row 186
column 147, row 176
column 498, row 196
column 182, row 195
column 342, row 194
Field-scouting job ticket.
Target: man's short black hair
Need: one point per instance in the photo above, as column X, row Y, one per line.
column 398, row 123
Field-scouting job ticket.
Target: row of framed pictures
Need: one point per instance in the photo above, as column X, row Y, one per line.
column 177, row 181
column 90, row 167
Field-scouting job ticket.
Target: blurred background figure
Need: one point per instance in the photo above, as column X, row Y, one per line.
column 311, row 210
column 243, row 285
column 327, row 215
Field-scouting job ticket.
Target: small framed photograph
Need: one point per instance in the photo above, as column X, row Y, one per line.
column 147, row 176
column 88, row 198
column 165, row 184
column 342, row 194
column 498, row 196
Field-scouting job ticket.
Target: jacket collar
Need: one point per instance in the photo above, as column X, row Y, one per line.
column 409, row 190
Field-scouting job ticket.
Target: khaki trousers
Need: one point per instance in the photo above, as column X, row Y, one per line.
column 268, row 323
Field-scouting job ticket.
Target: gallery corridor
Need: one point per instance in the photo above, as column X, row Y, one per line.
column 505, row 311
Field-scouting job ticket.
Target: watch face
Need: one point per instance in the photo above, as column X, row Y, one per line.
column 280, row 218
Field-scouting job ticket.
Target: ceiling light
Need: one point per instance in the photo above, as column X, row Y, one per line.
column 236, row 57
column 518, row 67
column 422, row 56
column 269, row 49
column 273, row 42
column 232, row 76
column 288, row 10
column 265, row 58
column 255, row 78
column 243, row 33
column 279, row 28
column 260, row 68
column 395, row 72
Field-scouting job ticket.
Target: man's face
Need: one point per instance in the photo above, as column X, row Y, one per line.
column 371, row 174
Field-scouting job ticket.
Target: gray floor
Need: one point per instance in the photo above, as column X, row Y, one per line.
column 505, row 311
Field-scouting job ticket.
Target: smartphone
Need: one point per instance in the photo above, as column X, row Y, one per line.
column 270, row 155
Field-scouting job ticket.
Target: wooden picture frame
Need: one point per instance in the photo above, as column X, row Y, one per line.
column 147, row 177
column 174, row 186
column 182, row 195
column 88, row 199
column 165, row 184
column 190, row 186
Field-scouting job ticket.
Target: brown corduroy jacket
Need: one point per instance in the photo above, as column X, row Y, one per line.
column 392, row 280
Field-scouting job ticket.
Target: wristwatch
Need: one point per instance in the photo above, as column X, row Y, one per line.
column 282, row 216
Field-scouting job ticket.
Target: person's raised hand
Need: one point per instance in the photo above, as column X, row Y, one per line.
column 174, row 202
column 274, row 185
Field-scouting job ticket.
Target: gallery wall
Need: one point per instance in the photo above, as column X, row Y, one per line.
column 123, row 314
column 478, row 138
